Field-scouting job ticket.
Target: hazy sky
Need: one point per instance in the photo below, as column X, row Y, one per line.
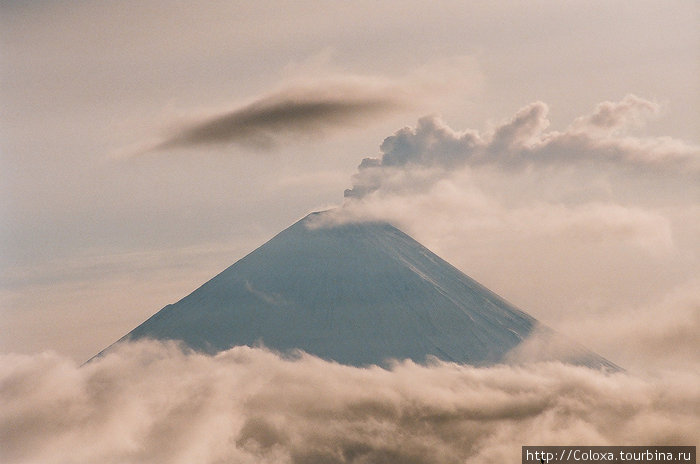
column 548, row 149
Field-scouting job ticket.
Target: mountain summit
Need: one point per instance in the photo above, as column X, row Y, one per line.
column 358, row 294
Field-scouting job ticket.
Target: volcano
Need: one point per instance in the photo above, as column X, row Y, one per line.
column 356, row 293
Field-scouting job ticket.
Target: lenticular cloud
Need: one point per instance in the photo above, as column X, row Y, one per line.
column 290, row 112
column 151, row 402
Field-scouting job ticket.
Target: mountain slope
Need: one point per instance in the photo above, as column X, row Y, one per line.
column 355, row 293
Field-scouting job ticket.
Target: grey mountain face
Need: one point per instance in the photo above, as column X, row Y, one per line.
column 357, row 294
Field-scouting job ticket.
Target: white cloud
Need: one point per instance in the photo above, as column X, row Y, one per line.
column 522, row 143
column 610, row 116
column 150, row 402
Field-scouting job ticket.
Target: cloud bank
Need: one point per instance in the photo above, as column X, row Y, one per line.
column 150, row 402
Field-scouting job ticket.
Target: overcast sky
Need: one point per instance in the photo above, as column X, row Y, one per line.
column 548, row 149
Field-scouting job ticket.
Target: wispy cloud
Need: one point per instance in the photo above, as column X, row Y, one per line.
column 150, row 402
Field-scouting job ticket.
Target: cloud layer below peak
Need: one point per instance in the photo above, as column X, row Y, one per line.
column 150, row 402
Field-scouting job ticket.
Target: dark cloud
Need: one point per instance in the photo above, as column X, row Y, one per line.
column 289, row 113
column 152, row 403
